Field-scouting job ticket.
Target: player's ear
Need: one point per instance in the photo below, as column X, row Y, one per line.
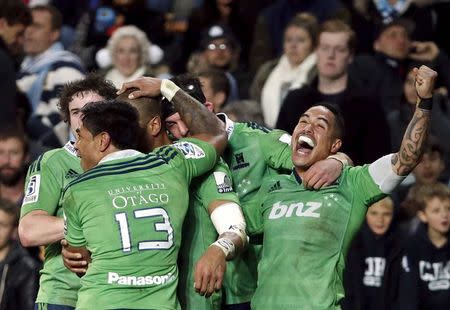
column 336, row 146
column 154, row 126
column 103, row 141
column 422, row 217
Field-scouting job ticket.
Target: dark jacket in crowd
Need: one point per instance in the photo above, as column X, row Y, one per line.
column 19, row 278
column 372, row 271
column 425, row 283
column 7, row 87
column 385, row 76
column 366, row 130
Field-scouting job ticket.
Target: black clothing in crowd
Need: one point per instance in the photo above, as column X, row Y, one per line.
column 19, row 280
column 425, row 283
column 7, row 86
column 372, row 271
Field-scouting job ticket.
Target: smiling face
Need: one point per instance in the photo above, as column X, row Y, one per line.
column 127, row 55
column 314, row 138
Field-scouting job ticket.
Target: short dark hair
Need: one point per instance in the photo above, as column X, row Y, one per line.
column 339, row 122
column 190, row 84
column 10, row 208
column 307, row 22
column 91, row 83
column 219, row 81
column 118, row 118
column 7, row 132
column 147, row 107
column 420, row 195
column 432, row 145
column 15, row 12
column 56, row 16
column 338, row 25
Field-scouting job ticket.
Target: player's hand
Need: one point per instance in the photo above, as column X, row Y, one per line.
column 322, row 173
column 73, row 260
column 209, row 271
column 424, row 51
column 425, row 79
column 147, row 87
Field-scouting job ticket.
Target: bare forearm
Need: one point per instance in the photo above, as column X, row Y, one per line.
column 40, row 229
column 413, row 141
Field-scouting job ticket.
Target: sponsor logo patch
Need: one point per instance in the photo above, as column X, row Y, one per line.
column 32, row 191
column 190, row 150
column 240, row 161
column 223, row 182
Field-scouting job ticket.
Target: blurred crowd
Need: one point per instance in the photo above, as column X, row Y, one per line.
column 258, row 60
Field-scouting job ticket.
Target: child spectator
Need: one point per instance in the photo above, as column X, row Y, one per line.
column 425, row 280
column 374, row 262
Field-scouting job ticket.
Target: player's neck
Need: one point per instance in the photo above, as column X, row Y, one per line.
column 161, row 140
column 300, row 173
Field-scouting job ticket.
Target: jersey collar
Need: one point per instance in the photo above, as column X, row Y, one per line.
column 119, row 155
column 297, row 177
column 70, row 148
column 229, row 124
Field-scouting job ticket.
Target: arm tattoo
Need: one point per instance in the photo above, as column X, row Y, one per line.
column 197, row 117
column 411, row 148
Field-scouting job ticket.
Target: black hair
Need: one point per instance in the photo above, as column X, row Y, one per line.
column 218, row 80
column 91, row 83
column 118, row 118
column 190, row 84
column 56, row 16
column 339, row 123
column 15, row 12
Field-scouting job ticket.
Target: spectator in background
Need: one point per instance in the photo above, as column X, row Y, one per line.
column 268, row 32
column 385, row 71
column 367, row 14
column 216, row 88
column 367, row 132
column 220, row 51
column 129, row 50
column 210, row 13
column 427, row 172
column 294, row 69
column 97, row 25
column 244, row 111
column 14, row 18
column 43, row 72
column 424, row 283
column 374, row 262
column 20, row 273
column 13, row 164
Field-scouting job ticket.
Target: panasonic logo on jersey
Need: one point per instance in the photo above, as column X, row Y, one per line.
column 115, row 278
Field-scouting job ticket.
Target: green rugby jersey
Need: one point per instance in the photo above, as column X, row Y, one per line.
column 306, row 238
column 199, row 232
column 128, row 211
column 253, row 152
column 45, row 180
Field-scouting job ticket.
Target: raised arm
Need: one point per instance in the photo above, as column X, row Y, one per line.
column 390, row 170
column 416, row 134
column 202, row 124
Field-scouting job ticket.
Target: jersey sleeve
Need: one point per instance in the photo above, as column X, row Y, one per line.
column 217, row 185
column 195, row 158
column 276, row 147
column 365, row 189
column 73, row 231
column 42, row 188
